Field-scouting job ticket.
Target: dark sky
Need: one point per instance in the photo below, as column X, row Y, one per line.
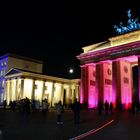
column 55, row 31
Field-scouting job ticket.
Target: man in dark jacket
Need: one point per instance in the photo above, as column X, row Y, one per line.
column 76, row 108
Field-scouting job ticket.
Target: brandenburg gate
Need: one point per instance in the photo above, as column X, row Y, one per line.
column 107, row 71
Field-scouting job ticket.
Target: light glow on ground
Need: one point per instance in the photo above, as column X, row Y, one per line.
column 91, row 131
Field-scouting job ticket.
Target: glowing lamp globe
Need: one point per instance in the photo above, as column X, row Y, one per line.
column 71, row 70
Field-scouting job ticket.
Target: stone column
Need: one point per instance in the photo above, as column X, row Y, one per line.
column 91, row 85
column 52, row 95
column 122, row 85
column 68, row 92
column 59, row 91
column 77, row 92
column 99, row 81
column 62, row 92
column 69, row 95
column 10, row 90
column 6, row 92
column 33, row 90
column 83, row 85
column 16, row 90
column 22, row 89
column 116, row 88
column 73, row 93
column 107, row 81
column 43, row 90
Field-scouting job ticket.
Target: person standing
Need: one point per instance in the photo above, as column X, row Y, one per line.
column 59, row 112
column 76, row 108
column 100, row 107
column 37, row 106
column 45, row 107
column 4, row 104
column 106, row 107
column 27, row 106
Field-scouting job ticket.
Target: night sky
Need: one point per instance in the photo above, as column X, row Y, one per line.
column 55, row 31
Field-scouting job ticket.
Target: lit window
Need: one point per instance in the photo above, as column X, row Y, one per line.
column 2, row 64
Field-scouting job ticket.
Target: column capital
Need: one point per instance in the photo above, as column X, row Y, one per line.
column 90, row 64
column 83, row 66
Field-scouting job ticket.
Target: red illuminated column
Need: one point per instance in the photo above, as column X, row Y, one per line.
column 88, row 95
column 126, row 83
column 116, row 90
column 92, row 95
column 83, row 85
column 99, row 81
column 107, row 81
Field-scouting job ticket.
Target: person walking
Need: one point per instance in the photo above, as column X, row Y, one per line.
column 59, row 112
column 76, row 108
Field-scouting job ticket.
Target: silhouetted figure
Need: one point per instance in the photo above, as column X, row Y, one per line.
column 59, row 112
column 4, row 104
column 106, row 107
column 133, row 107
column 123, row 107
column 14, row 105
column 26, row 107
column 37, row 106
column 111, row 108
column 10, row 104
column 100, row 107
column 76, row 108
column 45, row 107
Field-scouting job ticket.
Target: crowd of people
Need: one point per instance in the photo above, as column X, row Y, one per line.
column 108, row 107
column 25, row 106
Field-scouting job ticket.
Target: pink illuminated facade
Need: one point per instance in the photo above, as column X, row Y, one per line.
column 106, row 71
